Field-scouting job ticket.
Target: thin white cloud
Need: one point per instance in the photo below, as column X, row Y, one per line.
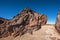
column 50, row 22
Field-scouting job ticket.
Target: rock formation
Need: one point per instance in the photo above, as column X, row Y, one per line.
column 57, row 25
column 29, row 25
column 26, row 21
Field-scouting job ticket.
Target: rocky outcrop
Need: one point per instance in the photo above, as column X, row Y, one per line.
column 3, row 29
column 29, row 25
column 26, row 21
column 47, row 32
column 57, row 25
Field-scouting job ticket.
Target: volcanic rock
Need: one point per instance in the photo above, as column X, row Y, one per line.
column 26, row 21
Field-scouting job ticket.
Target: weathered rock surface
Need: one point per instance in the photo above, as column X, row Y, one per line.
column 27, row 21
column 29, row 25
column 47, row 32
column 57, row 24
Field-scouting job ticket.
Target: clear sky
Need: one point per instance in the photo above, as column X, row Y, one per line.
column 9, row 8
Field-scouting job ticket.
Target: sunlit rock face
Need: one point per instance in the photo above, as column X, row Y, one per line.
column 46, row 32
column 3, row 29
column 57, row 24
column 29, row 25
column 24, row 22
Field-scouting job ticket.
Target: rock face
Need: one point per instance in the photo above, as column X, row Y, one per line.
column 47, row 32
column 57, row 25
column 26, row 21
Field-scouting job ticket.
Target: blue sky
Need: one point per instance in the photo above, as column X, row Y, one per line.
column 9, row 8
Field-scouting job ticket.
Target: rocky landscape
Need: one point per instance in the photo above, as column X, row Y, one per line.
column 29, row 25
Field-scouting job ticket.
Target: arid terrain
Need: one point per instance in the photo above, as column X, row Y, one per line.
column 47, row 32
column 29, row 25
